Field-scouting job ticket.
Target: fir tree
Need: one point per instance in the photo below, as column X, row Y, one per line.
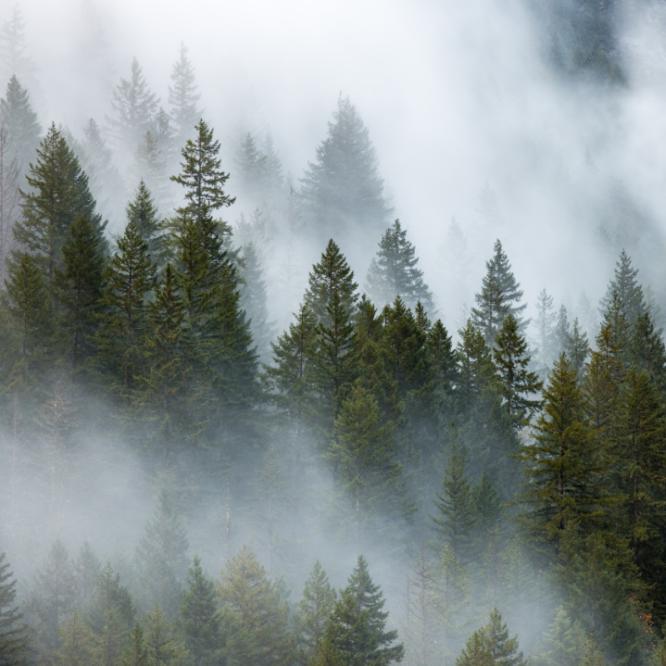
column 504, row 650
column 561, row 332
column 136, row 653
column 312, row 614
column 629, row 292
column 441, row 357
column 647, row 351
column 151, row 168
column 475, row 367
column 342, row 190
column 143, row 213
column 87, row 569
column 183, row 95
column 545, row 325
column 59, row 195
column 563, row 644
column 499, row 297
column 13, row 47
column 516, row 382
column 476, row 651
column 394, row 273
column 163, row 645
column 487, row 506
column 356, row 630
column 454, row 517
column 577, row 347
column 78, row 646
column 13, row 642
column 198, row 617
column 9, row 195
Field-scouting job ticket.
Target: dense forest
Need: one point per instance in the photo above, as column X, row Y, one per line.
column 230, row 436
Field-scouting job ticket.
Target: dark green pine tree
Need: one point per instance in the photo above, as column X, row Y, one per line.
column 312, row 615
column 342, row 191
column 58, row 196
column 441, row 357
column 562, row 466
column 136, row 653
column 647, row 351
column 199, row 621
column 393, row 272
column 330, row 276
column 164, row 646
column 499, row 297
column 561, row 332
column 78, row 287
column 356, row 630
column 476, row 651
column 516, row 382
column 503, row 650
column 135, row 109
column 161, row 558
column 366, row 466
column 13, row 641
column 628, row 290
column 454, row 518
column 577, row 347
column 183, row 96
column 475, row 366
column 143, row 213
column 20, row 121
column 121, row 338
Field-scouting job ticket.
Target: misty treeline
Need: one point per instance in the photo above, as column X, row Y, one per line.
column 510, row 480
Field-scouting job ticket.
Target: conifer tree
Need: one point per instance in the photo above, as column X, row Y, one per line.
column 516, row 382
column 393, row 272
column 452, row 596
column 251, row 164
column 331, row 276
column 561, row 332
column 59, row 195
column 20, row 121
column 647, row 351
column 150, row 167
column 198, row 617
column 161, row 557
column 255, row 614
column 136, row 653
column 564, row 643
column 562, row 466
column 356, row 630
column 504, row 650
column 143, row 213
column 183, row 96
column 454, row 517
column 365, row 463
column 629, row 292
column 487, row 505
column 87, row 569
column 78, row 287
column 78, row 647
column 499, row 297
column 9, row 195
column 342, row 190
column 312, row 615
column 13, row 641
column 163, row 645
column 441, row 357
column 475, row 367
column 13, row 47
column 476, row 651
column 545, row 325
column 577, row 347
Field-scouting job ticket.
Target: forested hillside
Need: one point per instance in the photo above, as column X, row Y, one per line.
column 241, row 424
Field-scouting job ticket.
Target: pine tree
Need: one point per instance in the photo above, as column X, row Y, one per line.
column 441, row 357
column 198, row 617
column 476, row 651
column 183, row 96
column 455, row 260
column 135, row 108
column 356, row 630
column 563, row 644
column 136, row 653
column 78, row 287
column 9, row 195
column 394, row 273
column 13, row 47
column 150, row 167
column 59, row 195
column 87, row 569
column 454, row 520
column 161, row 557
column 312, row 615
column 504, row 650
column 342, row 191
column 499, row 297
column 143, row 213
column 516, row 382
column 628, row 291
column 13, row 642
column 255, row 614
column 331, row 276
column 366, row 465
column 475, row 367
column 487, row 506
column 647, row 351
column 452, row 597
column 577, row 347
column 163, row 645
column 545, row 325
column 562, row 466
column 78, row 646
column 20, row 121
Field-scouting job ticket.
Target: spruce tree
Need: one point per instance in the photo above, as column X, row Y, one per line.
column 136, row 653
column 564, row 642
column 13, row 641
column 499, row 297
column 504, row 650
column 13, row 47
column 441, row 357
column 78, row 647
column 312, row 615
column 487, row 506
column 163, row 645
column 393, row 272
column 627, row 289
column 647, row 350
column 87, row 569
column 577, row 347
column 199, row 620
column 150, row 167
column 9, row 195
column 356, row 630
column 561, row 332
column 476, row 651
column 59, row 195
column 142, row 212
column 516, row 382
column 342, row 191
column 183, row 96
column 545, row 325
column 475, row 367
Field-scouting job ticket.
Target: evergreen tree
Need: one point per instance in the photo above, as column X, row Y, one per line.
column 562, row 466
column 562, row 332
column 499, row 297
column 504, row 650
column 487, row 506
column 441, row 357
column 13, row 642
column 516, row 382
column 136, row 653
column 135, row 108
column 13, row 58
column 475, row 367
column 143, row 213
column 647, row 351
column 87, row 569
column 454, row 520
column 198, row 617
column 163, row 646
column 394, row 273
column 312, row 615
column 331, row 276
column 577, row 347
column 78, row 646
column 161, row 557
column 342, row 191
column 628, row 291
column 476, row 651
column 9, row 195
column 59, row 195
column 183, row 96
column 150, row 167
column 356, row 630
column 78, row 287
column 20, row 121
column 545, row 325
column 563, row 644
column 255, row 614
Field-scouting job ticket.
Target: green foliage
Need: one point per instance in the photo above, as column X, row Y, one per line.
column 136, row 653
column 163, row 644
column 624, row 288
column 13, row 641
column 563, row 644
column 143, row 214
column 78, row 646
